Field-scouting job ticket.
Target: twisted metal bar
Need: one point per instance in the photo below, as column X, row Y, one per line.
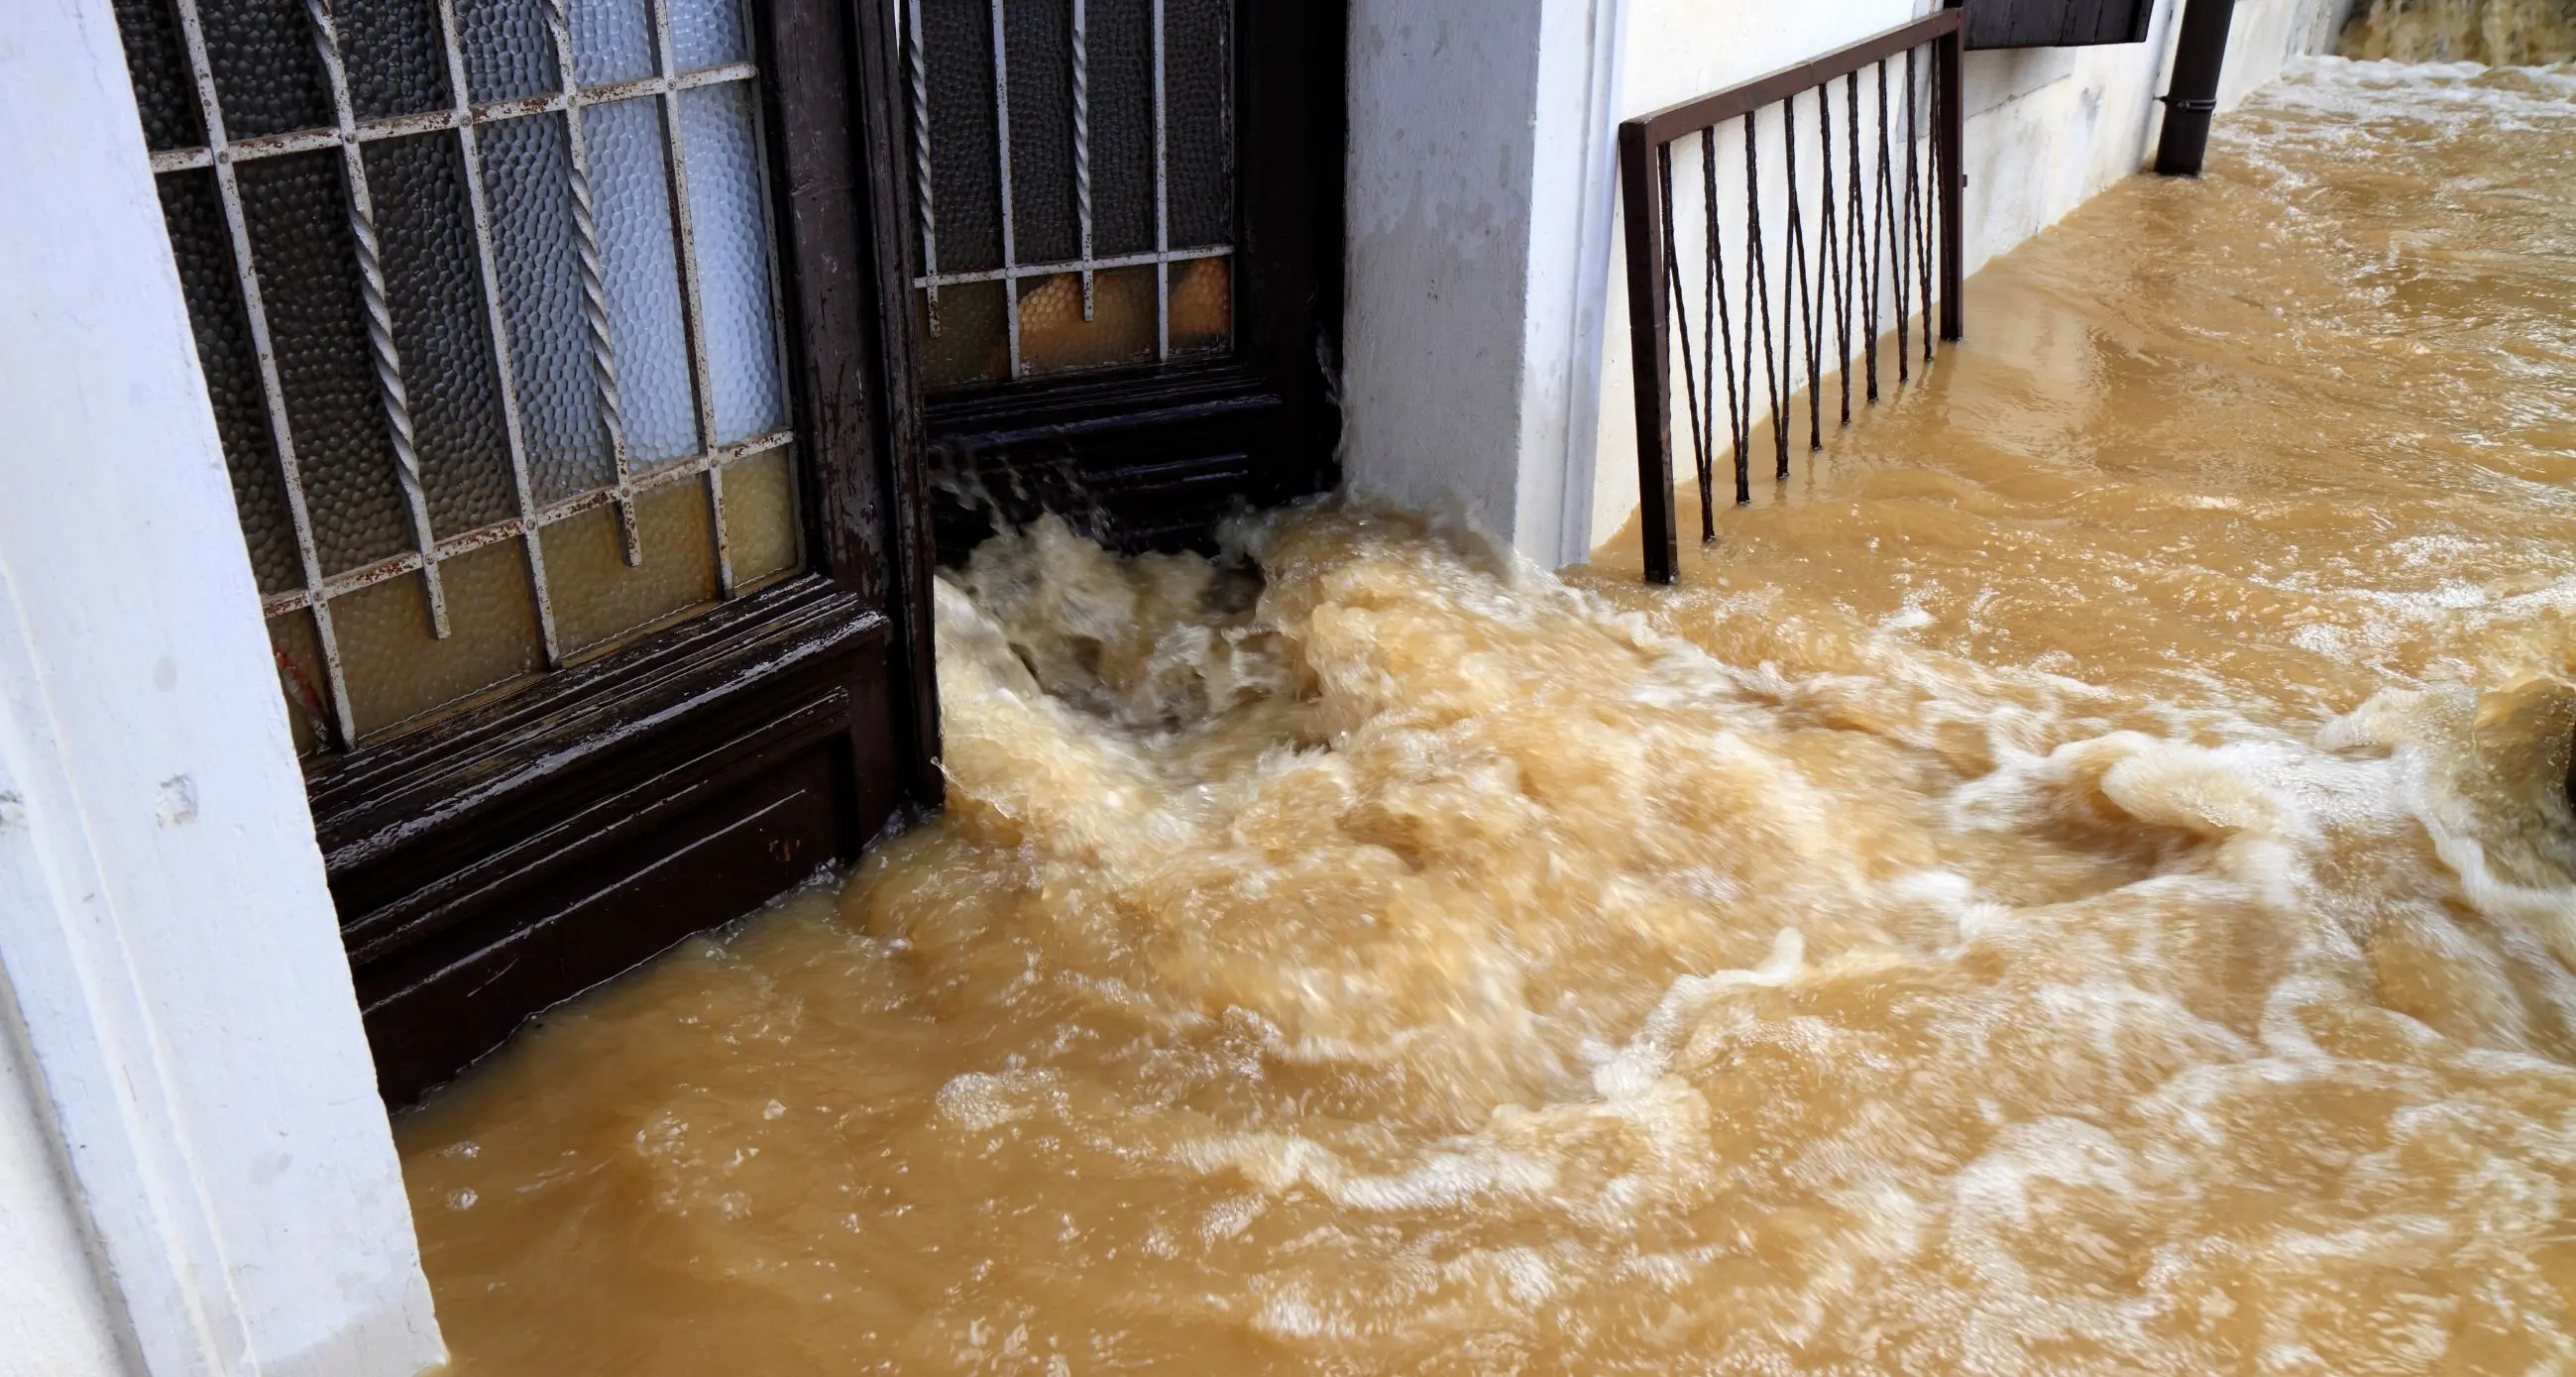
column 1082, row 145
column 594, row 280
column 1757, row 288
column 918, row 61
column 1799, row 282
column 1739, row 404
column 378, row 305
column 1700, row 456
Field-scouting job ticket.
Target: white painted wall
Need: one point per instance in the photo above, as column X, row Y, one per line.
column 1486, row 343
column 198, row 1177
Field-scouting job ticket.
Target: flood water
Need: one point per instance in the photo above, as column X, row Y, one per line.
column 2077, row 880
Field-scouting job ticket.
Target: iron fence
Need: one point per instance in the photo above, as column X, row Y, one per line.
column 1864, row 263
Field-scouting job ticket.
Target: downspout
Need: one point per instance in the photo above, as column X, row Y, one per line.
column 2193, row 99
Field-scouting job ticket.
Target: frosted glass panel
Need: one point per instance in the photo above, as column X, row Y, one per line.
column 509, row 48
column 641, row 264
column 599, row 597
column 733, row 260
column 760, row 516
column 707, row 33
column 527, row 170
column 612, row 40
column 397, row 671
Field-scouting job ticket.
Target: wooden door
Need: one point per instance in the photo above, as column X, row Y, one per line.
column 1125, row 238
column 548, row 342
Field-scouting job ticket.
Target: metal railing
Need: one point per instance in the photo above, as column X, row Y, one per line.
column 1879, row 238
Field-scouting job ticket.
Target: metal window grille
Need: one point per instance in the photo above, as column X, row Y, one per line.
column 525, row 194
column 1073, row 176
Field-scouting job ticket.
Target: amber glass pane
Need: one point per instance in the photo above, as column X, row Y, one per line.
column 1202, row 306
column 760, row 516
column 1054, row 338
column 398, row 671
column 298, row 652
column 970, row 344
column 599, row 597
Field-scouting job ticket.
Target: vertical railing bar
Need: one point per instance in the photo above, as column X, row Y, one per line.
column 1832, row 248
column 1722, row 327
column 1902, row 212
column 1952, row 132
column 1865, row 242
column 1919, row 198
column 1883, row 229
column 594, row 282
column 1916, row 211
column 1797, row 279
column 684, row 226
column 1002, row 147
column 506, row 373
column 1650, row 352
column 1712, row 311
column 255, row 310
column 1758, row 288
column 1700, row 459
column 1082, row 146
column 376, row 301
column 917, row 50
column 1162, row 204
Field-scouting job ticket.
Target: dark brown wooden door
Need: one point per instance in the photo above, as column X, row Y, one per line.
column 1124, row 237
column 559, row 355
column 2056, row 23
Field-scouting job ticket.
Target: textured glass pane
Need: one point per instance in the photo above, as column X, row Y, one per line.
column 397, row 671
column 707, row 33
column 970, row 345
column 1121, row 46
column 598, row 597
column 965, row 176
column 396, row 61
column 612, row 40
column 157, row 63
column 300, row 676
column 1202, row 306
column 1198, row 121
column 1043, row 224
column 726, row 214
column 527, row 179
column 435, row 285
column 509, row 51
column 268, row 73
column 632, row 196
column 760, row 516
column 203, row 246
column 1054, row 338
column 299, row 229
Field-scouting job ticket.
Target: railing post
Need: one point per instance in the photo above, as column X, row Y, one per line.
column 1650, row 351
column 1950, row 129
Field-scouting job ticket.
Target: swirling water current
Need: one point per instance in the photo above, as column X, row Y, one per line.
column 2076, row 880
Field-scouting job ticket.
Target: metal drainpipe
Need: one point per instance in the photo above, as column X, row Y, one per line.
column 2194, row 97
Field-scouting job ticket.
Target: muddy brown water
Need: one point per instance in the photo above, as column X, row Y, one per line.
column 2077, row 880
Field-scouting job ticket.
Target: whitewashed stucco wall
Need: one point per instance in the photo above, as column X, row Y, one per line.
column 196, row 1175
column 1486, row 358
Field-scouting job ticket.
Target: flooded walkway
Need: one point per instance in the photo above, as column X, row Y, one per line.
column 2076, row 882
